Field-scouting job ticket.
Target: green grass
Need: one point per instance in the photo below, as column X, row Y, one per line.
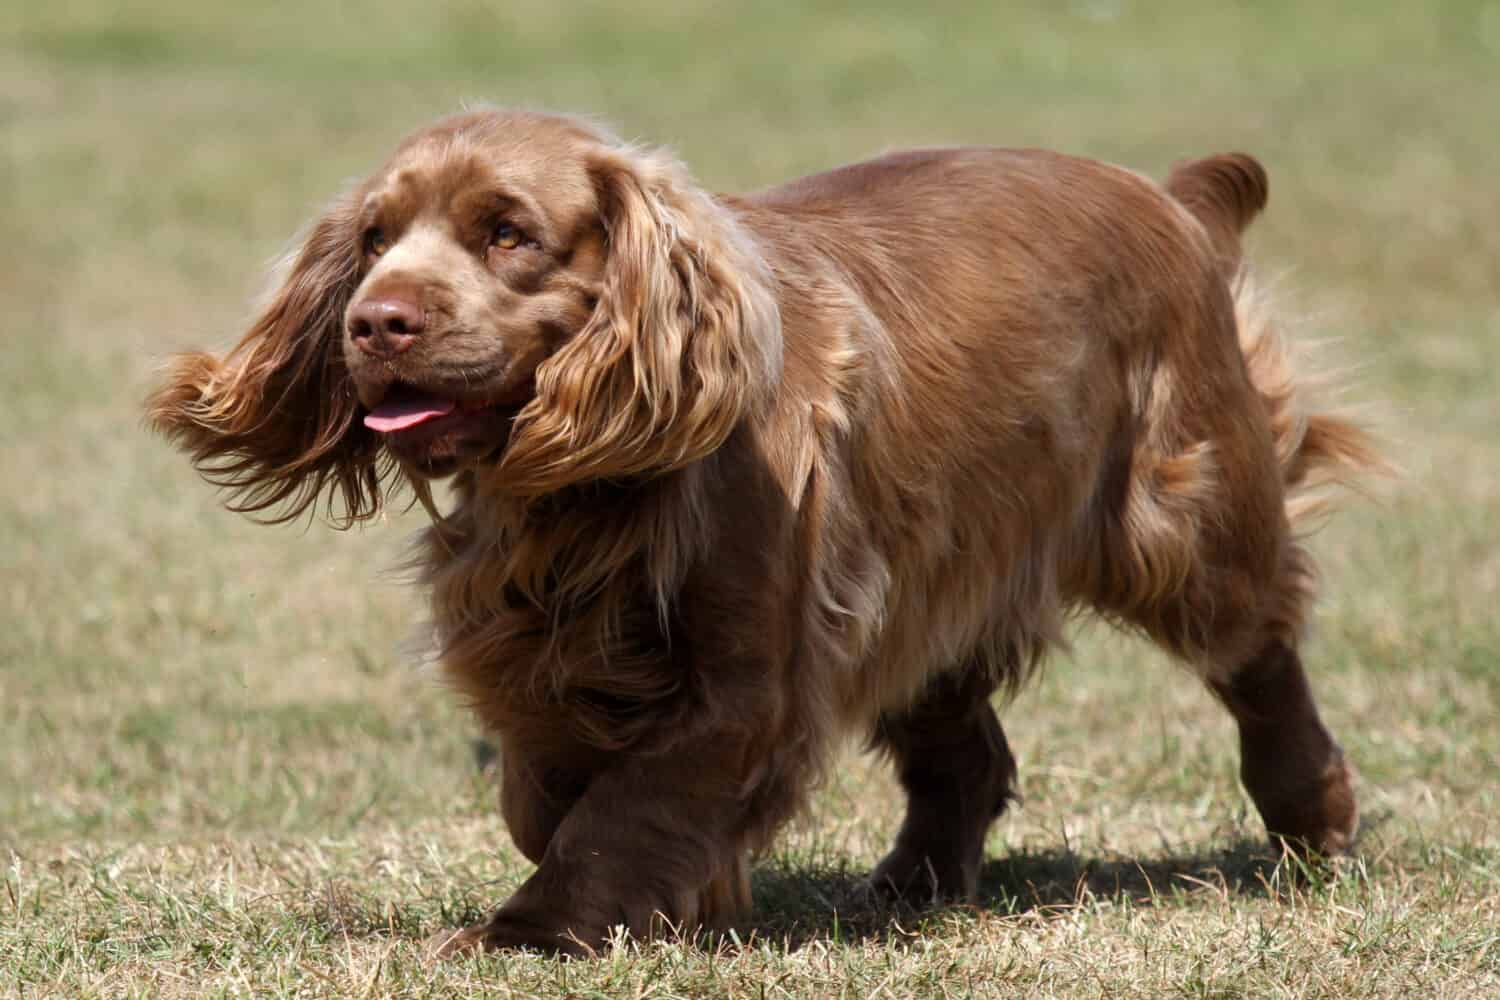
column 220, row 775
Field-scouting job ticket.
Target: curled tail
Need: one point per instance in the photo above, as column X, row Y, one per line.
column 1224, row 193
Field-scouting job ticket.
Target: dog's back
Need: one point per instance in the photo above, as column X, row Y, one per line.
column 1017, row 332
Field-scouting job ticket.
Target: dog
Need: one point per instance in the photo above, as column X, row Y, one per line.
column 735, row 476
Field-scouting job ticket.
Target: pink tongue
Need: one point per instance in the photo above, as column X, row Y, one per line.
column 407, row 411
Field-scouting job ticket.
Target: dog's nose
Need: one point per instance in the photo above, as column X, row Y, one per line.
column 385, row 327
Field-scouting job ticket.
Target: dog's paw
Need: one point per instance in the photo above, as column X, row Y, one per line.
column 1317, row 820
column 921, row 879
column 506, row 933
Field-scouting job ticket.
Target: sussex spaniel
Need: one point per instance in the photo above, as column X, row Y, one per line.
column 733, row 476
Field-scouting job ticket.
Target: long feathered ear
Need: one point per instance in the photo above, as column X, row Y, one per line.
column 275, row 420
column 684, row 343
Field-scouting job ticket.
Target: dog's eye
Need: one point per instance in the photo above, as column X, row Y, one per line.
column 375, row 242
column 507, row 237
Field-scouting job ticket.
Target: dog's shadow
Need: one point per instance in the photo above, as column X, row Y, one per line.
column 797, row 903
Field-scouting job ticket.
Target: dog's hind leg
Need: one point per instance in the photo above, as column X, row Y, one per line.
column 1200, row 554
column 1234, row 615
column 1290, row 765
column 956, row 767
column 1205, row 549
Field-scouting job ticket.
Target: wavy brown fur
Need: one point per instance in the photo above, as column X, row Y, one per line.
column 832, row 458
column 275, row 421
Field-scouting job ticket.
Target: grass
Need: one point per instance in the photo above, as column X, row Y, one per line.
column 220, row 776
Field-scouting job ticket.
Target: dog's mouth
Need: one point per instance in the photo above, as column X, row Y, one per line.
column 404, row 408
column 436, row 435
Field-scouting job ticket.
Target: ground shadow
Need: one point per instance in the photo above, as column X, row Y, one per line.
column 796, row 903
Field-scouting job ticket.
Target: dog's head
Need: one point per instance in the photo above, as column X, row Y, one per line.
column 513, row 293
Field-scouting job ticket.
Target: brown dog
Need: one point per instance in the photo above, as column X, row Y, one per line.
column 734, row 476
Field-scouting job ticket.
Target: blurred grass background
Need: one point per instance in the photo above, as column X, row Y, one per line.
column 196, row 712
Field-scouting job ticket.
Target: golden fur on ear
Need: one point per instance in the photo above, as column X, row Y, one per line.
column 274, row 421
column 684, row 343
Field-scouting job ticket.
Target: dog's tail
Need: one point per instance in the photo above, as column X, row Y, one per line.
column 1224, row 193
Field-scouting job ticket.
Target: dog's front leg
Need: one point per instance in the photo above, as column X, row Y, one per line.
column 644, row 847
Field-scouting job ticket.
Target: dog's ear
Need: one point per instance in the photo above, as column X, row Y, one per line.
column 684, row 343
column 275, row 421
